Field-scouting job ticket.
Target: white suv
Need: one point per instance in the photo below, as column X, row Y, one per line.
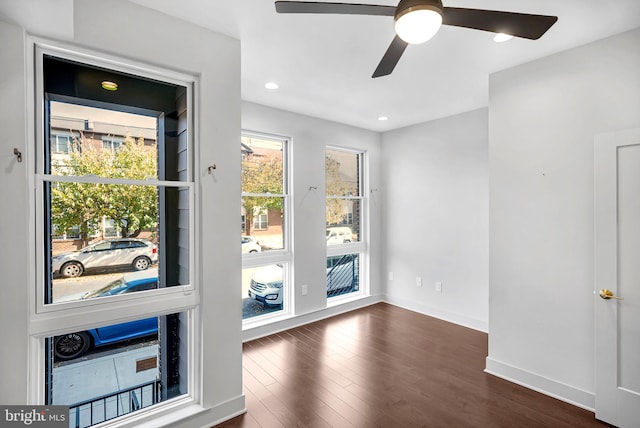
column 266, row 285
column 133, row 253
column 342, row 277
column 339, row 235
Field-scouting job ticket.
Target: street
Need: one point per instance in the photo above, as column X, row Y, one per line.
column 68, row 286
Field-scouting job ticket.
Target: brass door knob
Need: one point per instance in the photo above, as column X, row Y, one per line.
column 608, row 294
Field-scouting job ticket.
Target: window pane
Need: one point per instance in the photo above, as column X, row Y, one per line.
column 263, row 220
column 81, row 267
column 342, row 170
column 262, row 166
column 263, row 290
column 343, row 221
column 110, row 371
column 343, row 274
column 60, row 144
column 115, row 145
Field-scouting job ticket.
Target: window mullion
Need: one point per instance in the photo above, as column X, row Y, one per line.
column 264, row 195
column 106, row 180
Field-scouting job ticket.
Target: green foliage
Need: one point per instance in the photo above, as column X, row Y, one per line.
column 336, row 186
column 133, row 208
column 261, row 175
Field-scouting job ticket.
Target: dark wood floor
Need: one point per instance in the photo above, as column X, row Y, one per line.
column 384, row 366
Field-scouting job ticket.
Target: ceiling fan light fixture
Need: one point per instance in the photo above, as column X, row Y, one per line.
column 418, row 23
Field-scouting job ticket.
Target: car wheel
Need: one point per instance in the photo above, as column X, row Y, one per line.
column 72, row 270
column 253, row 251
column 141, row 263
column 72, row 345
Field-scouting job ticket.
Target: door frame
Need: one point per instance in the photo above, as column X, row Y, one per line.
column 609, row 400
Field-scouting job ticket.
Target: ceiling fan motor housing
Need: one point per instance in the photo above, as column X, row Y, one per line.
column 406, row 6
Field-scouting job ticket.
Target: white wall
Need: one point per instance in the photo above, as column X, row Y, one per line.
column 309, row 138
column 147, row 36
column 436, row 217
column 542, row 120
column 14, row 262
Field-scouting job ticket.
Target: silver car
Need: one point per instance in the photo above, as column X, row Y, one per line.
column 137, row 254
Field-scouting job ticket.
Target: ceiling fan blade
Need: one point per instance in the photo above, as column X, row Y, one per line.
column 517, row 24
column 335, row 8
column 391, row 57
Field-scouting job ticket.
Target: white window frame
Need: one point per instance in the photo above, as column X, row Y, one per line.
column 360, row 247
column 53, row 319
column 283, row 256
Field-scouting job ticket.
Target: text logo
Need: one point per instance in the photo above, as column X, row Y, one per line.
column 34, row 416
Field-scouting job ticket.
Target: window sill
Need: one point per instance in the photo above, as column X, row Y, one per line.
column 162, row 415
column 345, row 298
column 260, row 321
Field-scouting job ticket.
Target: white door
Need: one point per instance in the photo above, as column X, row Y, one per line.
column 617, row 276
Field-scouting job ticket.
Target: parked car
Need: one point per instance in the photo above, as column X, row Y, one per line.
column 138, row 254
column 74, row 345
column 250, row 245
column 266, row 285
column 266, row 282
column 339, row 235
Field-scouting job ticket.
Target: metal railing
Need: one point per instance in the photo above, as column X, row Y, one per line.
column 343, row 277
column 110, row 406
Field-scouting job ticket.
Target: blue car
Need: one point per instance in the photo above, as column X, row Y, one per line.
column 74, row 345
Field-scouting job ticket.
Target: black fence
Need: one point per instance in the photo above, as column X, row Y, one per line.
column 343, row 274
column 100, row 409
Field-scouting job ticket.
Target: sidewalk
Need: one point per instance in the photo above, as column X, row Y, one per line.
column 84, row 380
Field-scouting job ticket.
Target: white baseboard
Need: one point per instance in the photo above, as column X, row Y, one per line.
column 431, row 311
column 544, row 385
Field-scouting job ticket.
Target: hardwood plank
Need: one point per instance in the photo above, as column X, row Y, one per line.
column 384, row 366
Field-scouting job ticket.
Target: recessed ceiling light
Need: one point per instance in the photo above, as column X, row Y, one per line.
column 109, row 86
column 383, row 118
column 502, row 37
column 271, row 85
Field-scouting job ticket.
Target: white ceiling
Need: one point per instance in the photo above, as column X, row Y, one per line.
column 323, row 63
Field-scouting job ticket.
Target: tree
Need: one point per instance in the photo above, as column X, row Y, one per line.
column 261, row 175
column 336, row 186
column 131, row 207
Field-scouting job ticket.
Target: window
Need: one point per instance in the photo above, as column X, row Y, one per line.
column 60, row 143
column 129, row 203
column 345, row 211
column 264, row 230
column 112, row 143
column 109, row 229
column 139, row 376
column 264, row 189
column 260, row 221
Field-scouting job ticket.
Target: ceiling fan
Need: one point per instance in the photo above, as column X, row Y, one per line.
column 416, row 21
